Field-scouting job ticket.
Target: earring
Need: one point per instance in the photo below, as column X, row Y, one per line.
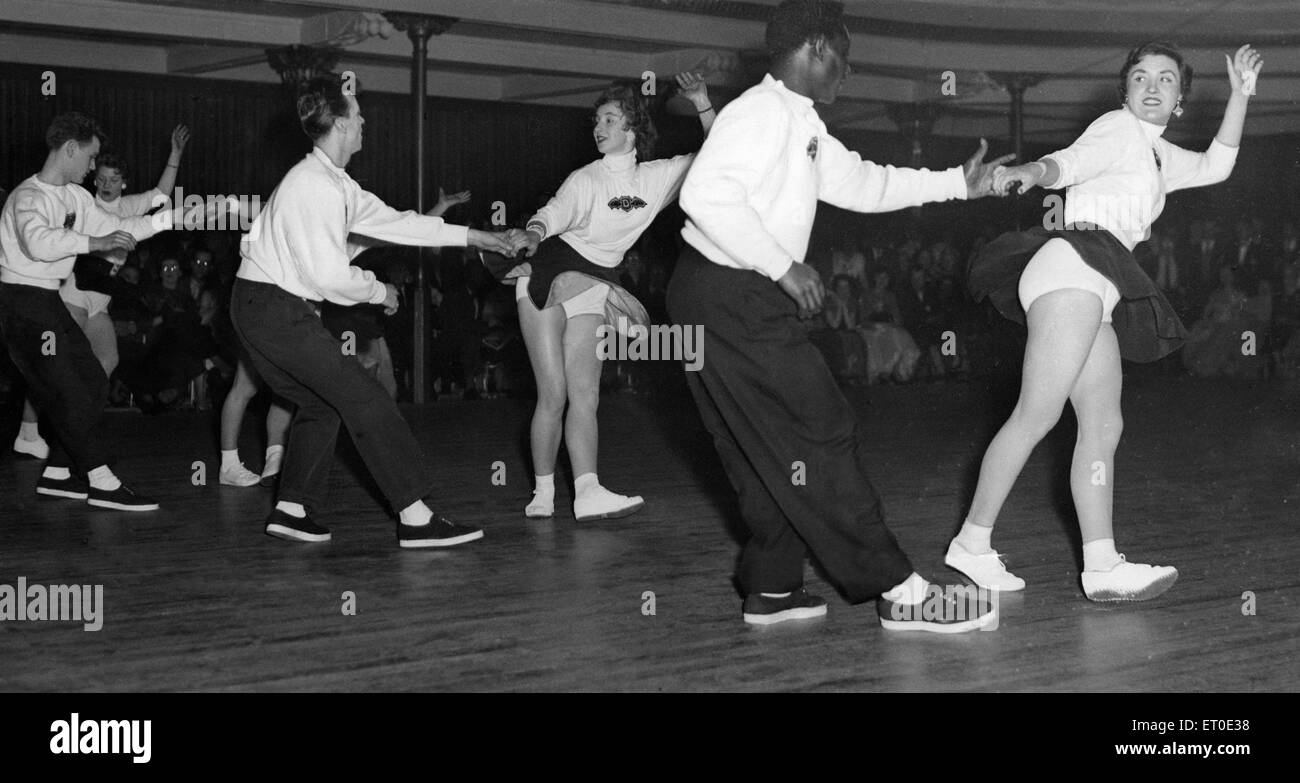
column 1178, row 108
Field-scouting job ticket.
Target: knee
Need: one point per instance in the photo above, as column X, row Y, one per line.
column 1105, row 430
column 551, row 398
column 1036, row 421
column 584, row 397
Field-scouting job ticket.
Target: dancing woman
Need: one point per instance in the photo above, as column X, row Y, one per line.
column 571, row 287
column 1087, row 303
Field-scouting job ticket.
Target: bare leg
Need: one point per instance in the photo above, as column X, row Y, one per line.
column 103, row 340
column 1062, row 328
column 582, row 368
column 242, row 391
column 544, row 335
column 1096, row 400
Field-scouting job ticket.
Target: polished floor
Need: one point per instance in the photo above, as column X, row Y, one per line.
column 197, row 598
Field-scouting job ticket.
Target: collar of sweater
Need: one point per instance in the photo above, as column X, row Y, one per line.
column 619, row 164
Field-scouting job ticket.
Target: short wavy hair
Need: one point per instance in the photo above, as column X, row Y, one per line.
column 73, row 126
column 1155, row 47
column 320, row 102
column 111, row 161
column 635, row 112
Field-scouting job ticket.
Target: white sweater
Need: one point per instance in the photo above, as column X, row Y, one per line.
column 603, row 207
column 1111, row 178
column 299, row 241
column 752, row 193
column 44, row 227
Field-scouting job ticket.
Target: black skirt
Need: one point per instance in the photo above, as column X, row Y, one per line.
column 557, row 273
column 1145, row 324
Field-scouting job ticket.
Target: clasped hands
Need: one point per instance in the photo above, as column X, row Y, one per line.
column 507, row 243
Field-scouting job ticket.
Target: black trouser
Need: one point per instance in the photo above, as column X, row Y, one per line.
column 787, row 438
column 64, row 379
column 303, row 363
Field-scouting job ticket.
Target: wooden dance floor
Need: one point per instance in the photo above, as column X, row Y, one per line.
column 197, row 598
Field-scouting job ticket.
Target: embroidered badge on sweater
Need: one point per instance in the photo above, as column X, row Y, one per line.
column 626, row 203
column 70, row 220
column 812, row 148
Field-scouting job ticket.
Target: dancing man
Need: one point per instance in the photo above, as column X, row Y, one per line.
column 295, row 256
column 47, row 221
column 765, row 393
column 1087, row 303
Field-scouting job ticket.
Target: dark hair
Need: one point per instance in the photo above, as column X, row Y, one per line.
column 111, row 161
column 1156, row 47
column 73, row 126
column 635, row 113
column 796, row 22
column 320, row 102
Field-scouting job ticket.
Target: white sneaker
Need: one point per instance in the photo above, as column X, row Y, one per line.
column 540, row 508
column 1128, row 582
column 985, row 570
column 599, row 503
column 239, row 476
column 34, row 448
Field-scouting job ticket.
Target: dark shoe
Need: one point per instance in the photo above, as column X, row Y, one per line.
column 70, row 487
column 291, row 528
column 945, row 609
column 122, row 499
column 798, row 605
column 439, row 532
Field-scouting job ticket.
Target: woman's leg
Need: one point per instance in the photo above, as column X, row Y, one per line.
column 544, row 336
column 103, row 340
column 1096, row 399
column 242, row 391
column 278, row 418
column 582, row 366
column 1063, row 326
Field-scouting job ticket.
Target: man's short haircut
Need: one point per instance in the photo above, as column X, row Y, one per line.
column 320, row 102
column 73, row 126
column 796, row 22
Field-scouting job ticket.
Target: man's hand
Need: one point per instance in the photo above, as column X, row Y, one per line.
column 531, row 240
column 491, row 242
column 118, row 240
column 180, row 137
column 390, row 300
column 804, row 286
column 979, row 175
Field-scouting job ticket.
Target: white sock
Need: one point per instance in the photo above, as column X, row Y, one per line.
column 58, row 474
column 909, row 591
column 545, row 484
column 975, row 539
column 416, row 515
column 292, row 509
column 29, row 431
column 775, row 595
column 229, row 458
column 1100, row 555
column 103, row 478
column 274, row 451
column 585, row 482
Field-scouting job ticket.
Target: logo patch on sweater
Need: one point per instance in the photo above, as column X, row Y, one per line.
column 626, row 203
column 812, row 148
column 70, row 220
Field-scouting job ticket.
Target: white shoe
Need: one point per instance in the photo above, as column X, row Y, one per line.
column 1128, row 582
column 239, row 476
column 33, row 448
column 540, row 508
column 985, row 570
column 599, row 503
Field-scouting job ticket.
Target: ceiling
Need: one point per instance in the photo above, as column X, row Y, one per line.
column 562, row 51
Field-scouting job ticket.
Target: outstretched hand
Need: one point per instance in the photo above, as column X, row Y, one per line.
column 979, row 174
column 449, row 201
column 180, row 137
column 1246, row 61
column 694, row 89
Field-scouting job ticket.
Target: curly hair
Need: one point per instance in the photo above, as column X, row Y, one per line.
column 636, row 114
column 796, row 22
column 111, row 161
column 1155, row 47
